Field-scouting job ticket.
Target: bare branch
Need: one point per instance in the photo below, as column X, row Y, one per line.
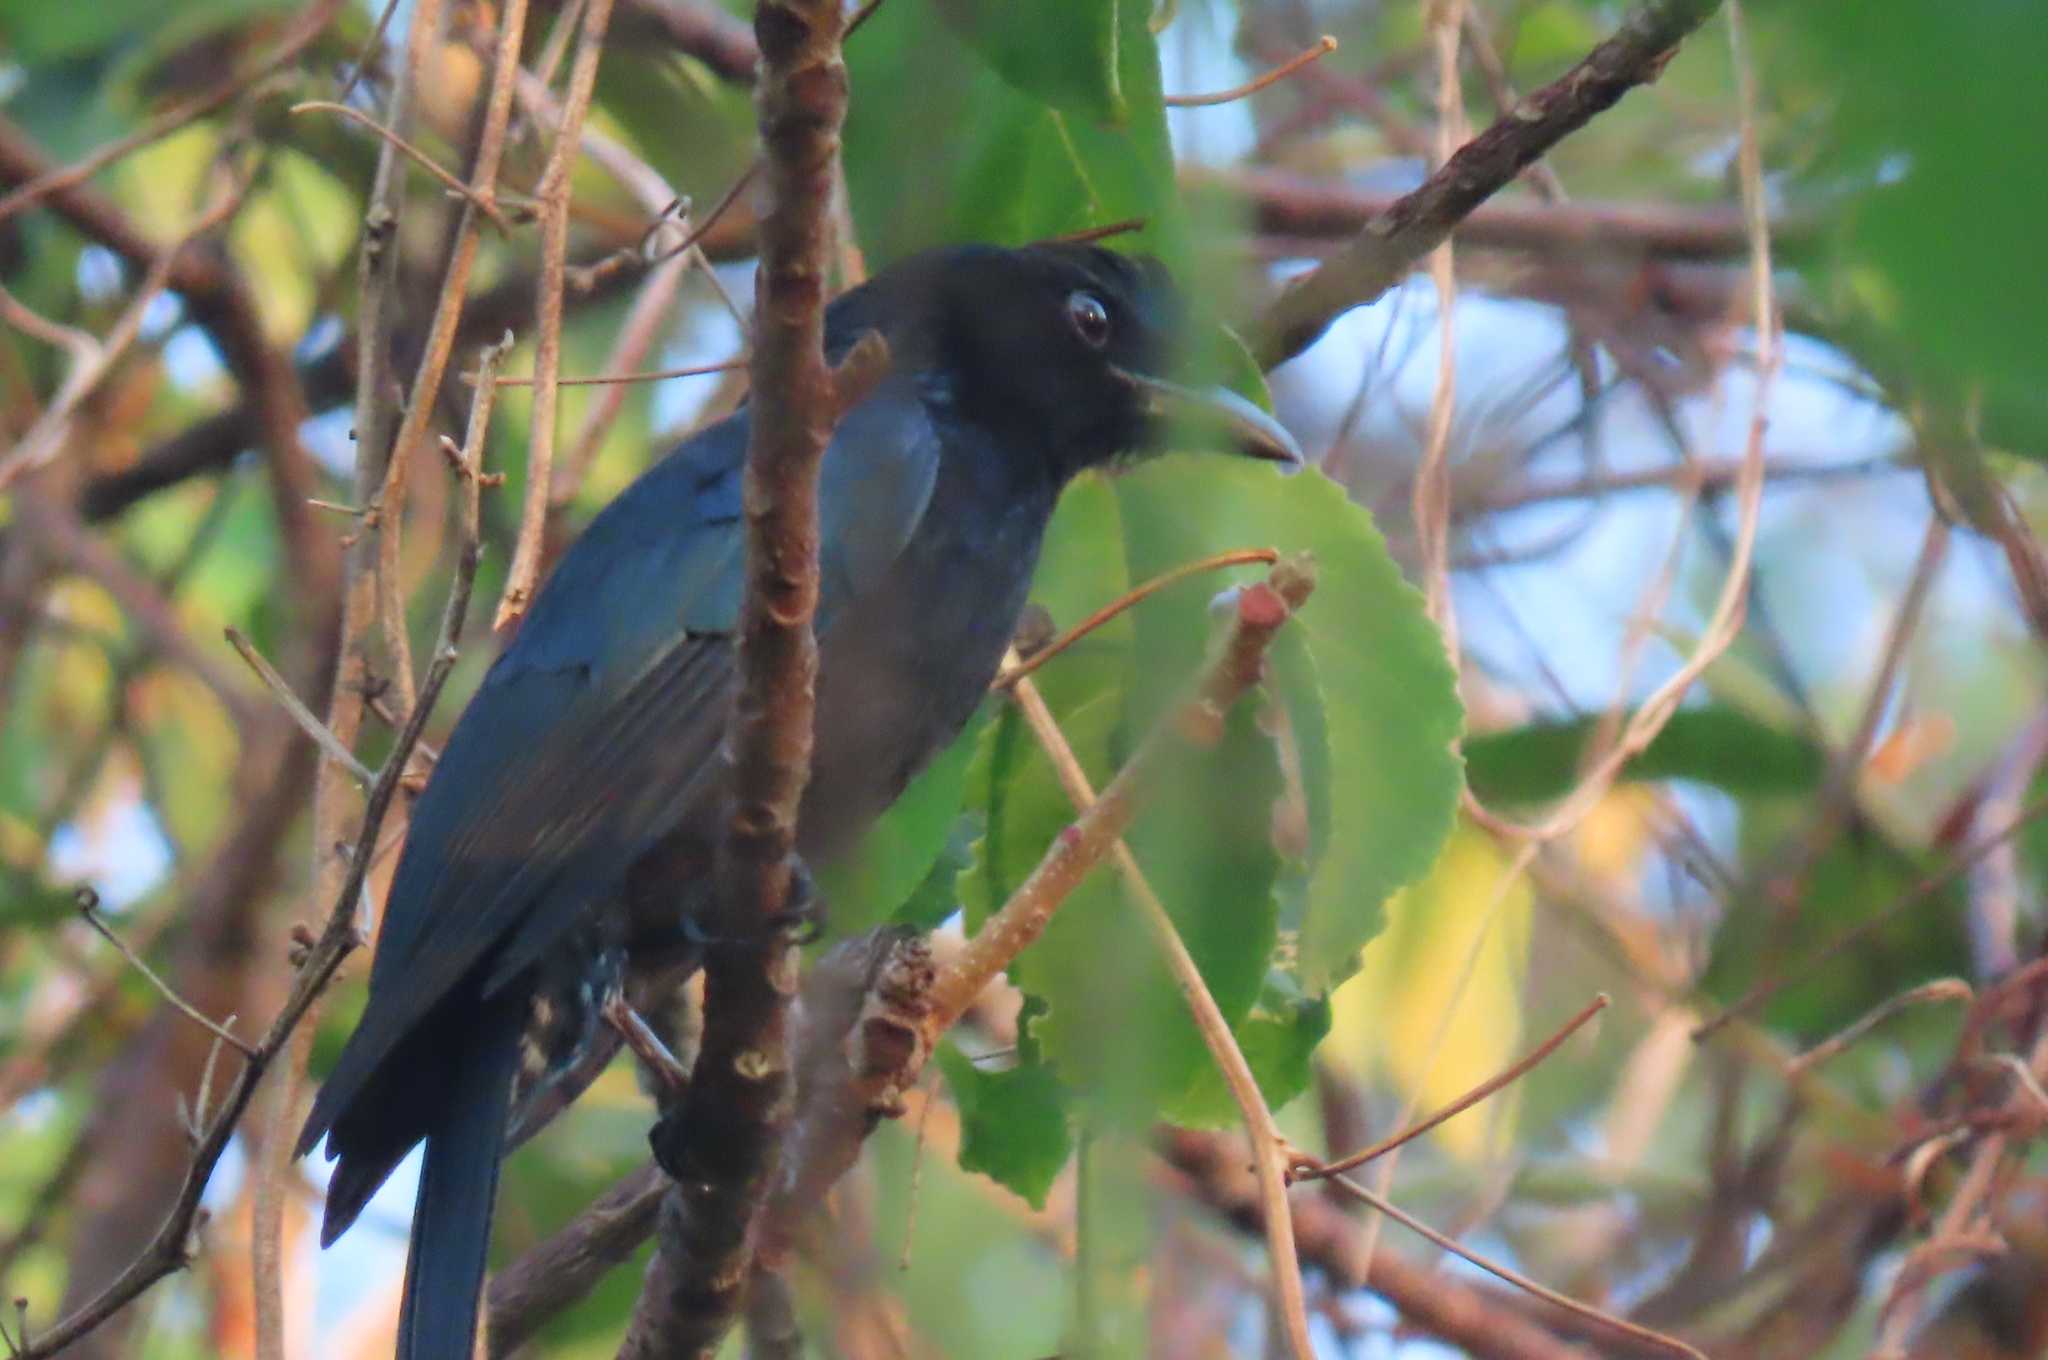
column 561, row 1269
column 281, row 690
column 1391, row 242
column 521, row 581
column 1433, row 1301
column 89, row 908
column 723, row 1141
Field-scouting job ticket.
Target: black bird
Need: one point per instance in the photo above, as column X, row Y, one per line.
column 592, row 746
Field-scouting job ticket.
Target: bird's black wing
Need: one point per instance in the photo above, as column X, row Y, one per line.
column 590, row 734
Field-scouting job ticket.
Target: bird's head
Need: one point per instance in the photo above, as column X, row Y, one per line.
column 1073, row 344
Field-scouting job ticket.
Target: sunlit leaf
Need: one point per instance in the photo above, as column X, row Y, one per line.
column 1013, row 1122
column 1438, row 1002
column 1391, row 709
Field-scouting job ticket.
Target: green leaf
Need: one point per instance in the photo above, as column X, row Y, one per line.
column 1012, row 783
column 1205, row 842
column 935, row 899
column 899, row 851
column 1278, row 1039
column 1715, row 745
column 1924, row 176
column 1063, row 52
column 1856, row 876
column 963, row 153
column 1390, row 707
column 1013, row 1123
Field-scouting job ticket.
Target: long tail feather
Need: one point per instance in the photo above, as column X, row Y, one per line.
column 451, row 1224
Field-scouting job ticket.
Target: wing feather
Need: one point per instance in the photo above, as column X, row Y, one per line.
column 598, row 729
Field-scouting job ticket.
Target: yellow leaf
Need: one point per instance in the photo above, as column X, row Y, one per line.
column 1613, row 838
column 161, row 184
column 1390, row 1015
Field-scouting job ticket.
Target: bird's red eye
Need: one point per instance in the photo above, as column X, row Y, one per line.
column 1089, row 318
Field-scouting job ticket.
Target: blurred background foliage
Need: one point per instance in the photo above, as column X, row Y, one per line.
column 1830, row 808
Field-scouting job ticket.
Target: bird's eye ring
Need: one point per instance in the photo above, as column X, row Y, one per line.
column 1089, row 318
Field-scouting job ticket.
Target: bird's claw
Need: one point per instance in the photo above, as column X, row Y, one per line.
column 800, row 922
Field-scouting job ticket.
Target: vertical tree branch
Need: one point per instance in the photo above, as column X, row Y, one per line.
column 375, row 416
column 547, row 357
column 426, row 383
column 722, row 1145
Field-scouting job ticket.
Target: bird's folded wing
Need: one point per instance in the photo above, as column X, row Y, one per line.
column 593, row 732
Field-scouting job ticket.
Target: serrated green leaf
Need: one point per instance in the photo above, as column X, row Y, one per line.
column 1391, row 708
column 1013, row 1123
column 1278, row 1039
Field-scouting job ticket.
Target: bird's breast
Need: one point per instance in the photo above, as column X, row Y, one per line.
column 904, row 667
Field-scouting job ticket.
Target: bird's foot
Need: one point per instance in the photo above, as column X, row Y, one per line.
column 802, row 918
column 800, row 922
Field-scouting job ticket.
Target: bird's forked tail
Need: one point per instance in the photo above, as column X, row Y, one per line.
column 451, row 1222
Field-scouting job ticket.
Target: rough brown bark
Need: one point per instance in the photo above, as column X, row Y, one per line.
column 722, row 1144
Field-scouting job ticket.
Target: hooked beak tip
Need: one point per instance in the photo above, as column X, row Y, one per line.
column 1218, row 411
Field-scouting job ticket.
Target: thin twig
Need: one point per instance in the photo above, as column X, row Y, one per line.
column 371, row 47
column 96, row 359
column 1532, row 1060
column 1086, row 235
column 91, row 364
column 1430, row 502
column 1016, row 669
column 1322, row 47
column 1941, row 989
column 1430, row 511
column 281, row 690
column 1290, row 1306
column 555, row 188
column 88, row 907
column 440, row 342
column 1694, row 478
column 487, row 206
column 1622, row 1326
column 652, row 375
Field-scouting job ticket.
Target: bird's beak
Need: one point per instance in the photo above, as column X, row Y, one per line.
column 1215, row 412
